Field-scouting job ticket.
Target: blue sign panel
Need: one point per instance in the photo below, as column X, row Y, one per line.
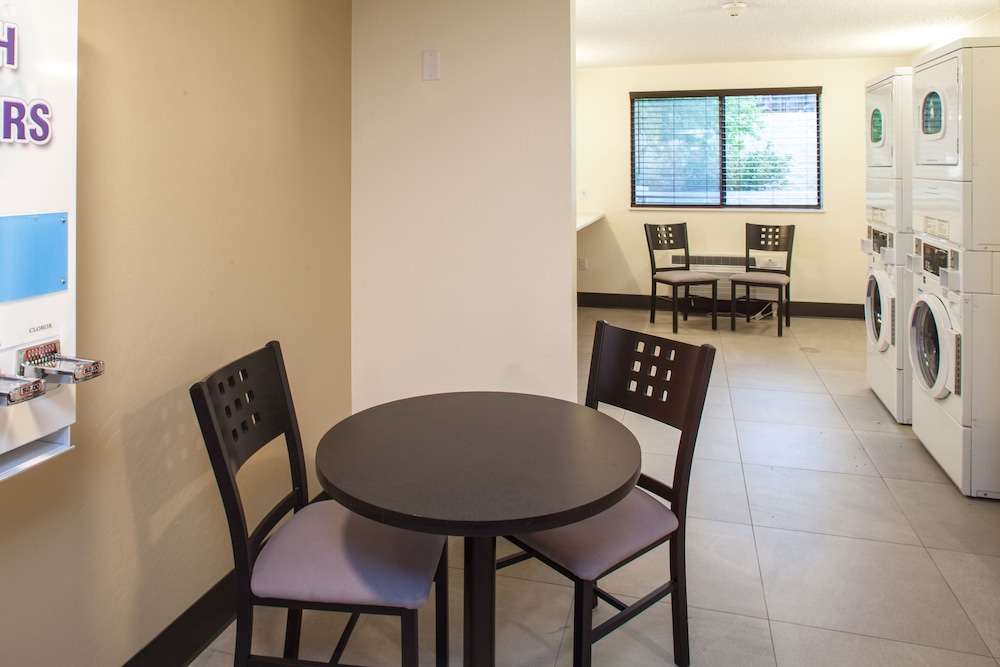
column 34, row 255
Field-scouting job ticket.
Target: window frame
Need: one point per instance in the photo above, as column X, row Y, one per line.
column 721, row 95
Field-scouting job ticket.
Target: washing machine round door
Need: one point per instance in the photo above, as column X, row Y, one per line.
column 878, row 310
column 930, row 344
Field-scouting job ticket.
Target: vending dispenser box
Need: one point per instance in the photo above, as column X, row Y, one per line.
column 39, row 367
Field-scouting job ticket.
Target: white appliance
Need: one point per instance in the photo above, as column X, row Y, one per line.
column 889, row 289
column 888, row 295
column 955, row 317
column 955, row 133
column 888, row 147
column 953, row 325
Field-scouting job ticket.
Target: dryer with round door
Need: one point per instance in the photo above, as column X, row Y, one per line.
column 956, row 137
column 956, row 363
column 954, row 104
column 889, row 139
column 888, row 295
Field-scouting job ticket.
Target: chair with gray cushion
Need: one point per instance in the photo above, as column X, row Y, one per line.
column 671, row 240
column 666, row 381
column 769, row 266
column 323, row 557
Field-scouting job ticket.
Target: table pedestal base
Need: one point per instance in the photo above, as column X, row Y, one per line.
column 480, row 601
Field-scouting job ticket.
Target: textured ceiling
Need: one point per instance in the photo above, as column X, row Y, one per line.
column 613, row 33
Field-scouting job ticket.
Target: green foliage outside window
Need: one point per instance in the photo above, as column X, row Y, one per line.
column 722, row 149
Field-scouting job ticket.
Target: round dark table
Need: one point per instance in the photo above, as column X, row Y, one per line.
column 478, row 465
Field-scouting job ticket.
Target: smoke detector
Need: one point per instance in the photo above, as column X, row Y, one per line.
column 734, row 8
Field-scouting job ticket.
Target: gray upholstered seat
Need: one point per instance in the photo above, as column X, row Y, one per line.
column 760, row 278
column 684, row 277
column 593, row 546
column 326, row 553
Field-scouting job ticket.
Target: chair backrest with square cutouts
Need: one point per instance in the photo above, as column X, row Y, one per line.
column 659, row 378
column 242, row 407
column 769, row 239
column 668, row 237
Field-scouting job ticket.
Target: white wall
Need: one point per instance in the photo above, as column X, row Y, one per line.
column 827, row 266
column 462, row 199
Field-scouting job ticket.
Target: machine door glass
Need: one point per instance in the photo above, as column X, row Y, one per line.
column 879, row 102
column 875, row 134
column 929, row 324
column 878, row 319
column 932, row 115
column 936, row 98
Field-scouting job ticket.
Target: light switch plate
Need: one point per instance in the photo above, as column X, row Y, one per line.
column 431, row 65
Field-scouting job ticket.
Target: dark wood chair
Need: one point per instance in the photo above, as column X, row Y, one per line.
column 667, row 381
column 323, row 556
column 673, row 237
column 760, row 273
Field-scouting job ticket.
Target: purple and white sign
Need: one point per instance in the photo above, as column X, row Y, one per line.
column 38, row 108
column 38, row 79
column 21, row 121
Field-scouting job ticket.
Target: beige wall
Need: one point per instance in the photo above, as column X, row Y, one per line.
column 214, row 215
column 827, row 263
column 462, row 196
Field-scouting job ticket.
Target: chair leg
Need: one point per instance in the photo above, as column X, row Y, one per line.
column 441, row 610
column 687, row 299
column 652, row 303
column 674, row 304
column 293, row 631
column 244, row 633
column 748, row 303
column 408, row 638
column 732, row 307
column 583, row 622
column 715, row 306
column 779, row 314
column 788, row 305
column 678, row 603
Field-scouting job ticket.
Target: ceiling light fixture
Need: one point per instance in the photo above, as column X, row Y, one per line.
column 734, row 8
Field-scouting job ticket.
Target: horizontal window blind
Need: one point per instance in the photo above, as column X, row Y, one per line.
column 758, row 149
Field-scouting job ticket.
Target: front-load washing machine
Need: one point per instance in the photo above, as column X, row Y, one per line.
column 888, row 295
column 956, row 363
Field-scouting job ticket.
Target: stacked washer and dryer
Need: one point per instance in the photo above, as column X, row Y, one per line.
column 889, row 290
column 954, row 321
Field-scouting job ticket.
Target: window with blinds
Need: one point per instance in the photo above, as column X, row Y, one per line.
column 734, row 148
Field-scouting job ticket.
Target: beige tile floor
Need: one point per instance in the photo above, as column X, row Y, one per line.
column 821, row 532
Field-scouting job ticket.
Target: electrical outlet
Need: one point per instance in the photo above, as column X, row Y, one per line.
column 582, row 263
